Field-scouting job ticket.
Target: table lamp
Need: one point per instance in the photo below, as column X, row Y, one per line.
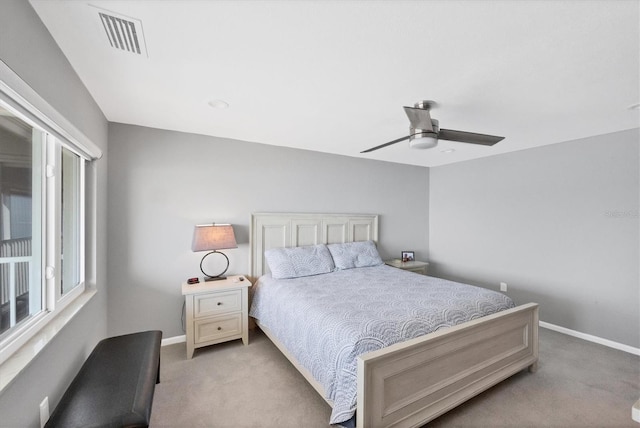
column 213, row 237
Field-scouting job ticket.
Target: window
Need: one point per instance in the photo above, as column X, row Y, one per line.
column 41, row 223
column 20, row 202
column 42, row 213
column 71, row 224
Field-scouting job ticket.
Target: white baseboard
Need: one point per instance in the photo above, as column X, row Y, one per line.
column 590, row 338
column 173, row 340
column 595, row 339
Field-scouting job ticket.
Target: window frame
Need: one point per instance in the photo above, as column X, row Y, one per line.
column 57, row 309
column 50, row 279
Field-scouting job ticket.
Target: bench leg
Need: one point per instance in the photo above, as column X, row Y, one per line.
column 158, row 375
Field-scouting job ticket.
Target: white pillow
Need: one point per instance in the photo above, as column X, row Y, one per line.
column 351, row 255
column 299, row 261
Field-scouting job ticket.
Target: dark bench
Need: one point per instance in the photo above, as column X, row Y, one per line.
column 114, row 387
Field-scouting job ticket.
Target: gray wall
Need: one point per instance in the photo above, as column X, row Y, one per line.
column 558, row 224
column 27, row 47
column 162, row 183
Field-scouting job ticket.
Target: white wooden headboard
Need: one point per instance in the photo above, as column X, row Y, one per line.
column 276, row 230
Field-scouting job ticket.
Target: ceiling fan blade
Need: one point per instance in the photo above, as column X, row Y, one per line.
column 386, row 144
column 419, row 118
column 468, row 137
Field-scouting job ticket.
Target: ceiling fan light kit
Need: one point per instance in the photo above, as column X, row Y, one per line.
column 425, row 132
column 424, row 138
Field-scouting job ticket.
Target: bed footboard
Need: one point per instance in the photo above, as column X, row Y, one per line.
column 413, row 382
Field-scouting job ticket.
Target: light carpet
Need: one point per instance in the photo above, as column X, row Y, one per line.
column 578, row 384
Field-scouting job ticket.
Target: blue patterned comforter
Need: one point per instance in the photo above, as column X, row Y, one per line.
column 326, row 321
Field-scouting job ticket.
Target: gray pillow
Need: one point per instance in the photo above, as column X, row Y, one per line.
column 299, row 261
column 351, row 255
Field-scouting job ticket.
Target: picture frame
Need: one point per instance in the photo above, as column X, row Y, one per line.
column 408, row 256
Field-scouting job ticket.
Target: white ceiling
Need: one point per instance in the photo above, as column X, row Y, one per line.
column 332, row 76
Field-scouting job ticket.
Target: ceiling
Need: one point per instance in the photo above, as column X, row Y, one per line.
column 333, row 76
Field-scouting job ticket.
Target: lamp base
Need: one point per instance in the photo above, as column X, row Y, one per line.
column 219, row 276
column 214, row 278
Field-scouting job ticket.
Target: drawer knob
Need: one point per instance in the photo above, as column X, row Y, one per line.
column 219, row 328
column 219, row 303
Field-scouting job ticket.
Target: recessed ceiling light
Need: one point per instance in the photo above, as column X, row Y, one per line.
column 218, row 104
column 448, row 151
column 635, row 106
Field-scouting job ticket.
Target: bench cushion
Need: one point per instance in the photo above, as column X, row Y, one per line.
column 115, row 386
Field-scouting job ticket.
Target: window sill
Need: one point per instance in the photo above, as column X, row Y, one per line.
column 17, row 362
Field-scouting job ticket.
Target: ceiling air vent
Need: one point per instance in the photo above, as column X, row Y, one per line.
column 123, row 33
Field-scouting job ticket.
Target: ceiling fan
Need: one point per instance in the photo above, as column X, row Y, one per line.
column 425, row 132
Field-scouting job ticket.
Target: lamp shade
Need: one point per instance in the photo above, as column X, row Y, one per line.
column 209, row 237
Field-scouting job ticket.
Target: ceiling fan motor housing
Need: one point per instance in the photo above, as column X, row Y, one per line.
column 424, row 138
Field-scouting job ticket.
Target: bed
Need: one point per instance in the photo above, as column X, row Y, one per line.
column 407, row 377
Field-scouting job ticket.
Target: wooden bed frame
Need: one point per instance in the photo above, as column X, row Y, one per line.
column 413, row 382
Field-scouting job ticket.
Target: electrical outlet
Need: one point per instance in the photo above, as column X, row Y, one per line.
column 503, row 286
column 44, row 412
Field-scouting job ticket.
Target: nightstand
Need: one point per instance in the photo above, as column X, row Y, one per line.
column 217, row 311
column 414, row 266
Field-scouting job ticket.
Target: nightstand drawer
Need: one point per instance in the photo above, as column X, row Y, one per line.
column 217, row 303
column 217, row 328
